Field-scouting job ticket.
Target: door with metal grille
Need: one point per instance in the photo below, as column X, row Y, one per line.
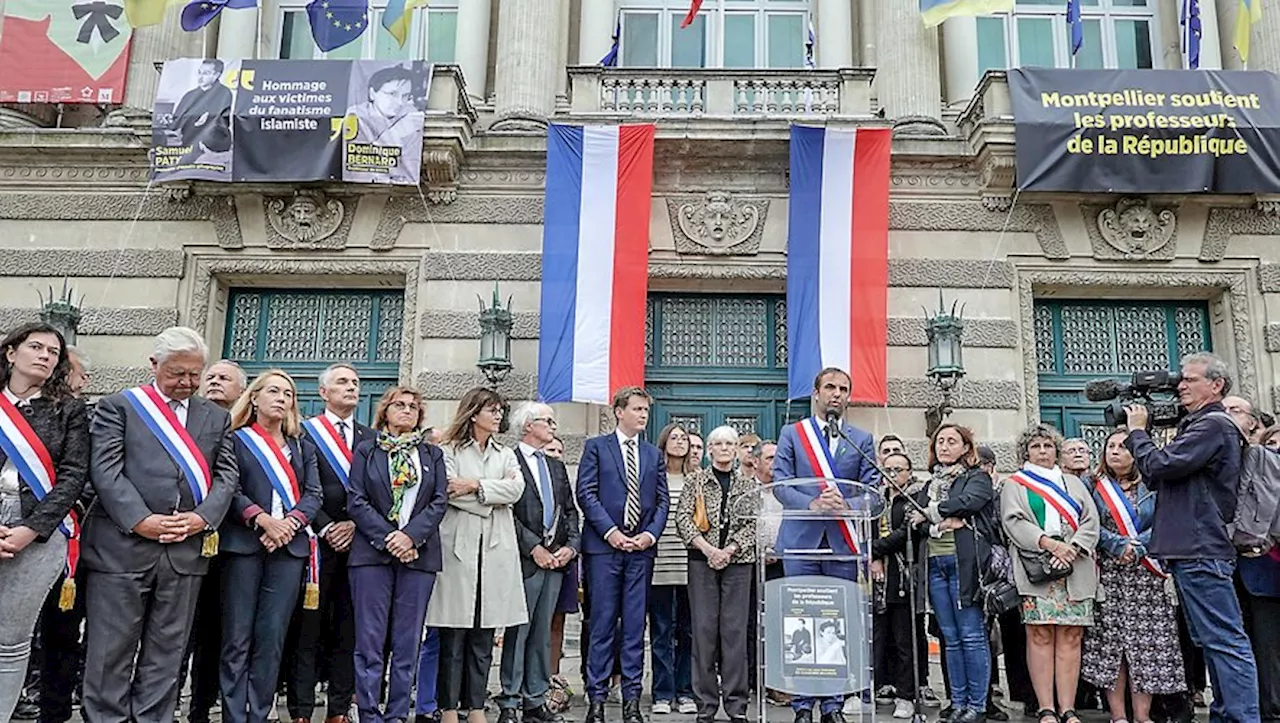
column 1078, row 341
column 718, row 359
column 303, row 332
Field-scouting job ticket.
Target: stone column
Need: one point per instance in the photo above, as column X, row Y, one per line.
column 1264, row 46
column 472, row 43
column 525, row 77
column 151, row 45
column 238, row 34
column 908, row 81
column 596, row 24
column 1211, row 55
column 562, row 59
column 834, row 31
column 960, row 37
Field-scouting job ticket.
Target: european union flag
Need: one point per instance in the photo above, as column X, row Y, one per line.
column 1076, row 24
column 610, row 59
column 334, row 23
column 199, row 13
column 1191, row 31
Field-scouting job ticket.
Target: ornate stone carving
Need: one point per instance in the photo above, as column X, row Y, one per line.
column 1272, row 337
column 46, row 206
column 400, row 210
column 99, row 263
column 1233, row 285
column 179, row 193
column 1133, row 230
column 308, row 220
column 109, row 380
column 978, row 333
column 717, row 223
column 97, row 321
column 1223, row 223
column 975, row 216
column 440, row 175
column 268, row 270
column 450, row 324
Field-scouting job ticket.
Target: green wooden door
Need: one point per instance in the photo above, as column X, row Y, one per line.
column 304, row 331
column 718, row 359
column 1078, row 341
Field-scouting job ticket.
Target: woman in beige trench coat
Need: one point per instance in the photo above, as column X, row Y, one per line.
column 480, row 587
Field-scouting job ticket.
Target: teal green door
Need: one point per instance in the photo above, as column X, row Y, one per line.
column 1079, row 341
column 718, row 359
column 303, row 332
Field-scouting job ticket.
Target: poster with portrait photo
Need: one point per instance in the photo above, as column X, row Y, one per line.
column 191, row 121
column 797, row 639
column 382, row 133
column 814, row 631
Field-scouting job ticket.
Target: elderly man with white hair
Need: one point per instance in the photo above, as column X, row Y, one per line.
column 548, row 535
column 164, row 473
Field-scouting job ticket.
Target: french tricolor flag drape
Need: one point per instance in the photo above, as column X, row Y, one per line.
column 595, row 261
column 838, row 258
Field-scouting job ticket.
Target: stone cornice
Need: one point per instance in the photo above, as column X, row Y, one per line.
column 93, row 263
column 98, row 321
column 154, row 206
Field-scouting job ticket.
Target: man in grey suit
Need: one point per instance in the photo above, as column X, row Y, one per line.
column 143, row 540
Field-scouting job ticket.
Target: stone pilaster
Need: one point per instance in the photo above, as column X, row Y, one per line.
column 1264, row 46
column 960, row 36
column 238, row 33
column 150, row 46
column 525, row 76
column 473, row 46
column 596, row 24
column 834, row 34
column 908, row 81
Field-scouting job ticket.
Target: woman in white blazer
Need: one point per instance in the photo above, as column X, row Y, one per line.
column 480, row 587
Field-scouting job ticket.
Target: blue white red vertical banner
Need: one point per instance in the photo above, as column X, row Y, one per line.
column 838, row 258
column 595, row 261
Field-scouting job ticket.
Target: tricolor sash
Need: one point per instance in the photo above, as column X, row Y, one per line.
column 35, row 467
column 815, row 448
column 284, row 481
column 332, row 446
column 1053, row 495
column 1126, row 517
column 164, row 424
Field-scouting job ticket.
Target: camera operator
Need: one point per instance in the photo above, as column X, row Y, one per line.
column 1196, row 475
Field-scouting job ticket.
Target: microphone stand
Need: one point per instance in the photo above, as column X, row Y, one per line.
column 918, row 714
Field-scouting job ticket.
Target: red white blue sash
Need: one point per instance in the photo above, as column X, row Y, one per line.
column 814, row 444
column 164, row 424
column 1126, row 517
column 33, row 462
column 333, row 447
column 1053, row 495
column 283, row 480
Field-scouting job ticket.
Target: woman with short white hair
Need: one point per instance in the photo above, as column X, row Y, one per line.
column 722, row 552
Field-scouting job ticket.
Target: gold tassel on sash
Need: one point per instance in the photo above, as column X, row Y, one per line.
column 209, row 547
column 67, row 596
column 311, row 597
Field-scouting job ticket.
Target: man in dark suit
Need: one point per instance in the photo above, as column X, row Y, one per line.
column 325, row 639
column 622, row 490
column 548, row 535
column 815, row 447
column 143, row 541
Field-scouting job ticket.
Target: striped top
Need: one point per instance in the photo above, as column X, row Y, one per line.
column 672, row 565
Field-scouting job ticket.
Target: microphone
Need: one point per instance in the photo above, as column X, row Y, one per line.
column 833, row 417
column 1103, row 390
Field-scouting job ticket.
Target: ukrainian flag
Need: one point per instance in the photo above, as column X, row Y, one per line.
column 141, row 13
column 935, row 11
column 1249, row 13
column 397, row 16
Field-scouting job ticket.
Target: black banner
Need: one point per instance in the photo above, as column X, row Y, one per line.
column 290, row 120
column 1146, row 131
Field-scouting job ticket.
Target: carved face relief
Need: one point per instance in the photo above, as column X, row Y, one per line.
column 303, row 210
column 306, row 219
column 717, row 219
column 1135, row 229
column 718, row 222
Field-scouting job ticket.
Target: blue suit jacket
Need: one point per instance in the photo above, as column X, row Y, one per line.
column 791, row 463
column 602, row 492
column 254, row 497
column 369, row 502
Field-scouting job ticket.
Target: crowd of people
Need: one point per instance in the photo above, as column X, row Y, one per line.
column 236, row 549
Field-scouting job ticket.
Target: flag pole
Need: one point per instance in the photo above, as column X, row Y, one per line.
column 257, row 40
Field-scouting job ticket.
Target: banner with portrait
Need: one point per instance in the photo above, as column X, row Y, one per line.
column 63, row 51
column 1146, row 131
column 358, row 121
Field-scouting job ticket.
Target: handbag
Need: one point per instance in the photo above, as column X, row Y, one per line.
column 700, row 519
column 1040, row 568
column 995, row 583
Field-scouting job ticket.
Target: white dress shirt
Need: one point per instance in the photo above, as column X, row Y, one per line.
column 349, row 435
column 10, row 483
column 179, row 409
column 277, row 504
column 410, row 493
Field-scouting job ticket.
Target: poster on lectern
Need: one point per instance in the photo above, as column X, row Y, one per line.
column 817, row 635
column 358, row 121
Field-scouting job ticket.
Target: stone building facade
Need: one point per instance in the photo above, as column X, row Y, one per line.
column 1056, row 289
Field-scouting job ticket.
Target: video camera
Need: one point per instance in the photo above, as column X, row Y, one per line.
column 1163, row 412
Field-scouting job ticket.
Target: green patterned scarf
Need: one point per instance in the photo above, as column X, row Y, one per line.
column 400, row 451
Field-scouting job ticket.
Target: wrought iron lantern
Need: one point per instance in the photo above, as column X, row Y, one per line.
column 61, row 313
column 946, row 361
column 495, row 338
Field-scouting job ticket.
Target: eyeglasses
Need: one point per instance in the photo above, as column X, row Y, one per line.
column 896, row 470
column 407, row 406
column 549, row 421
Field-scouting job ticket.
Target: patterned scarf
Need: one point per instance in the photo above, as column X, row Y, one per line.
column 943, row 477
column 400, row 451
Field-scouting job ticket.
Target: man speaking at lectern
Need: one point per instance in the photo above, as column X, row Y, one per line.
column 813, row 448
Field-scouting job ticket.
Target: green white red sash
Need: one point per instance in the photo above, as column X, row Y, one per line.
column 1126, row 517
column 1053, row 495
column 35, row 467
column 814, row 446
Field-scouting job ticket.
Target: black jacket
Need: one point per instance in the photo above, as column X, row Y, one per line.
column 1196, row 475
column 64, row 429
column 973, row 499
column 892, row 548
column 335, row 495
column 238, row 532
column 528, row 514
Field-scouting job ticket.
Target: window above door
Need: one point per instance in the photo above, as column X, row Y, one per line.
column 432, row 35
column 1120, row 34
column 729, row 34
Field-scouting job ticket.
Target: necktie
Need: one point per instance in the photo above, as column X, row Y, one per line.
column 342, row 430
column 176, row 406
column 633, row 487
column 544, row 490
